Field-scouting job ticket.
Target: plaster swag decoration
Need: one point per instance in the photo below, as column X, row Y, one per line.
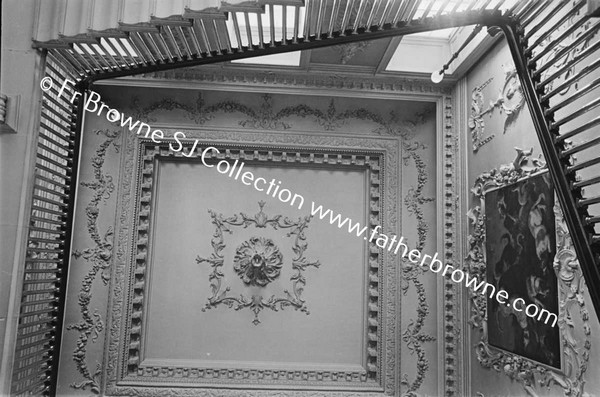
column 99, row 256
column 258, row 262
column 510, row 101
column 264, row 116
column 573, row 315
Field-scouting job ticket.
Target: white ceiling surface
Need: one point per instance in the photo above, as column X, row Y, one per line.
column 286, row 59
column 431, row 50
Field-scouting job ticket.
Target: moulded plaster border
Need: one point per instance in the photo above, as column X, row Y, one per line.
column 347, row 144
column 153, row 153
column 461, row 97
column 448, row 234
column 450, row 379
column 265, row 81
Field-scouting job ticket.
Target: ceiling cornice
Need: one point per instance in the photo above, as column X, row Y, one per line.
column 268, row 80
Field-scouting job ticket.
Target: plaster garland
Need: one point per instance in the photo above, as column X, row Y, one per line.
column 100, row 256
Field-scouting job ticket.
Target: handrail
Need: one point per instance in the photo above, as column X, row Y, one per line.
column 557, row 168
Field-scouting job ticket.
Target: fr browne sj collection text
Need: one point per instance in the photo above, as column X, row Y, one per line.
column 93, row 104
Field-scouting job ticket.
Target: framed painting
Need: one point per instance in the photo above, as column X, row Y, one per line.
column 520, row 247
column 519, row 243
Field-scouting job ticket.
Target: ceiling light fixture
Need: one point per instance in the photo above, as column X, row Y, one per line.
column 438, row 76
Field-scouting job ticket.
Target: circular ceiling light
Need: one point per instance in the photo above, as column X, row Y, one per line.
column 437, row 76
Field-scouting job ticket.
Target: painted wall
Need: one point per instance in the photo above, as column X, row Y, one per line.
column 409, row 126
column 498, row 133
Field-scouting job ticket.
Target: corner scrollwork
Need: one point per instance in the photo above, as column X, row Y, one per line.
column 573, row 315
column 263, row 253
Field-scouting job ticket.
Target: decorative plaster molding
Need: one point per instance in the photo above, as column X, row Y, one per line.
column 258, row 261
column 135, row 391
column 265, row 117
column 330, row 119
column 571, row 289
column 413, row 335
column 100, row 257
column 450, row 215
column 476, row 122
column 350, row 50
column 373, row 161
column 380, row 345
column 195, row 113
column 266, row 255
column 286, row 79
column 116, row 302
column 510, row 101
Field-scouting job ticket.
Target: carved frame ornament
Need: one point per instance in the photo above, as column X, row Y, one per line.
column 573, row 314
column 126, row 372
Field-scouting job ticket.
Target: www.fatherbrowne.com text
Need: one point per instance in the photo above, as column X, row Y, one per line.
column 93, row 104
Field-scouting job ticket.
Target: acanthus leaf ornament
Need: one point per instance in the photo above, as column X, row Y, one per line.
column 258, row 262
